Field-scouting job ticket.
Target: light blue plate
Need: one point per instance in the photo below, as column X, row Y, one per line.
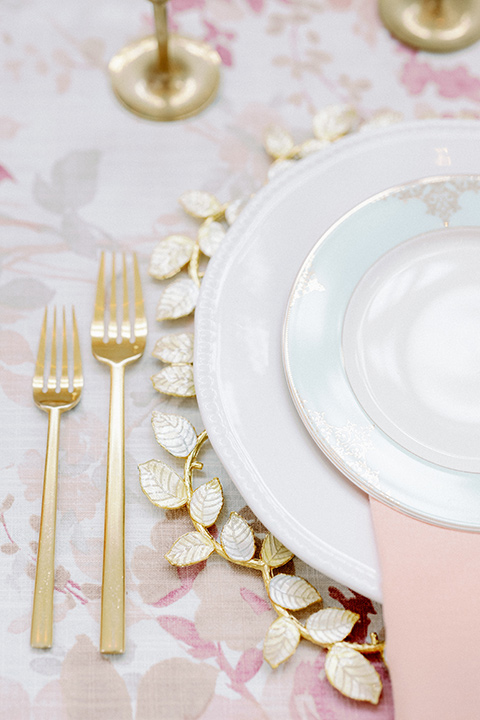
column 313, row 350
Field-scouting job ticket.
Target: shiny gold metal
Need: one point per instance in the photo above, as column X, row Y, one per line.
column 56, row 398
column 434, row 25
column 328, row 628
column 116, row 347
column 165, row 77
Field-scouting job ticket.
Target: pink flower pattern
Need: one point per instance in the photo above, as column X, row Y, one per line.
column 79, row 174
column 450, row 82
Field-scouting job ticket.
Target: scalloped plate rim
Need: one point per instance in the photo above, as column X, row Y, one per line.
column 341, row 553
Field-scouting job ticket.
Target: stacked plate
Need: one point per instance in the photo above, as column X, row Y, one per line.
column 362, row 263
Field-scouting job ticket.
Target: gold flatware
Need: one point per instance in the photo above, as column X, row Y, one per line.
column 55, row 396
column 116, row 345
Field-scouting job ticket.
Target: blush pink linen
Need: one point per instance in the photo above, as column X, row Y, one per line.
column 431, row 606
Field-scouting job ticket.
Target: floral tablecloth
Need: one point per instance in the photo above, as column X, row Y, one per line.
column 79, row 174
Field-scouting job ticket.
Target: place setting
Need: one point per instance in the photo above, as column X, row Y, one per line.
column 432, row 147
column 376, row 333
column 240, row 276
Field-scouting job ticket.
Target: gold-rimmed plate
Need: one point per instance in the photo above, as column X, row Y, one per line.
column 382, row 347
column 243, row 396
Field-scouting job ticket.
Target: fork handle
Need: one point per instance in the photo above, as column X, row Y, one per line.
column 42, row 616
column 112, row 629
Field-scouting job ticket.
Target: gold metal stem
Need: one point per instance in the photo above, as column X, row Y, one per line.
column 434, row 25
column 112, row 631
column 42, row 617
column 193, row 266
column 192, row 464
column 432, row 12
column 161, row 32
column 165, row 76
column 435, row 6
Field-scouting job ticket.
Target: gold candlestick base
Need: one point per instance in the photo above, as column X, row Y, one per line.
column 190, row 84
column 435, row 25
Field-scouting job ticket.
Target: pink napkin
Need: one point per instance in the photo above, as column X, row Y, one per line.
column 431, row 604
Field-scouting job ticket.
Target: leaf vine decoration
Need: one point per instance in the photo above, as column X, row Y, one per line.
column 329, row 125
column 346, row 664
column 179, row 258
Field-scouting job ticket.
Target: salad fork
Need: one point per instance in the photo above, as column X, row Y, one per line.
column 55, row 398
column 116, row 345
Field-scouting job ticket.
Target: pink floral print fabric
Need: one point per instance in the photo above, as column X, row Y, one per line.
column 79, row 174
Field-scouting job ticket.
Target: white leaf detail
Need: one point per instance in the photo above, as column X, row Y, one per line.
column 175, row 380
column 292, row 592
column 189, row 549
column 334, row 121
column 311, row 146
column 210, row 235
column 177, row 300
column 237, row 538
column 233, row 210
column 278, row 142
column 279, row 166
column 200, row 204
column 175, row 433
column 382, row 119
column 350, row 673
column 163, row 487
column 170, row 255
column 206, row 503
column 174, row 348
column 331, row 625
column 274, row 553
column 281, row 641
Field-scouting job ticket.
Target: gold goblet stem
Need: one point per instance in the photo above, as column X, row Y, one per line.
column 165, row 76
column 435, row 6
column 432, row 11
column 161, row 32
column 434, row 25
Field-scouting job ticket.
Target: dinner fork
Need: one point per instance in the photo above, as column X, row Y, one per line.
column 55, row 398
column 117, row 347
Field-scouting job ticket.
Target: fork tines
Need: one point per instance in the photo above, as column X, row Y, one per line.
column 69, row 375
column 113, row 319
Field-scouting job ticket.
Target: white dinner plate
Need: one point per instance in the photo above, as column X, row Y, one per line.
column 241, row 388
column 382, row 348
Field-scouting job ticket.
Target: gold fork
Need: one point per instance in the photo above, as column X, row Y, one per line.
column 57, row 398
column 120, row 348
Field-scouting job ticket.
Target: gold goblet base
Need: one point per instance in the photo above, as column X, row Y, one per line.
column 190, row 84
column 434, row 25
